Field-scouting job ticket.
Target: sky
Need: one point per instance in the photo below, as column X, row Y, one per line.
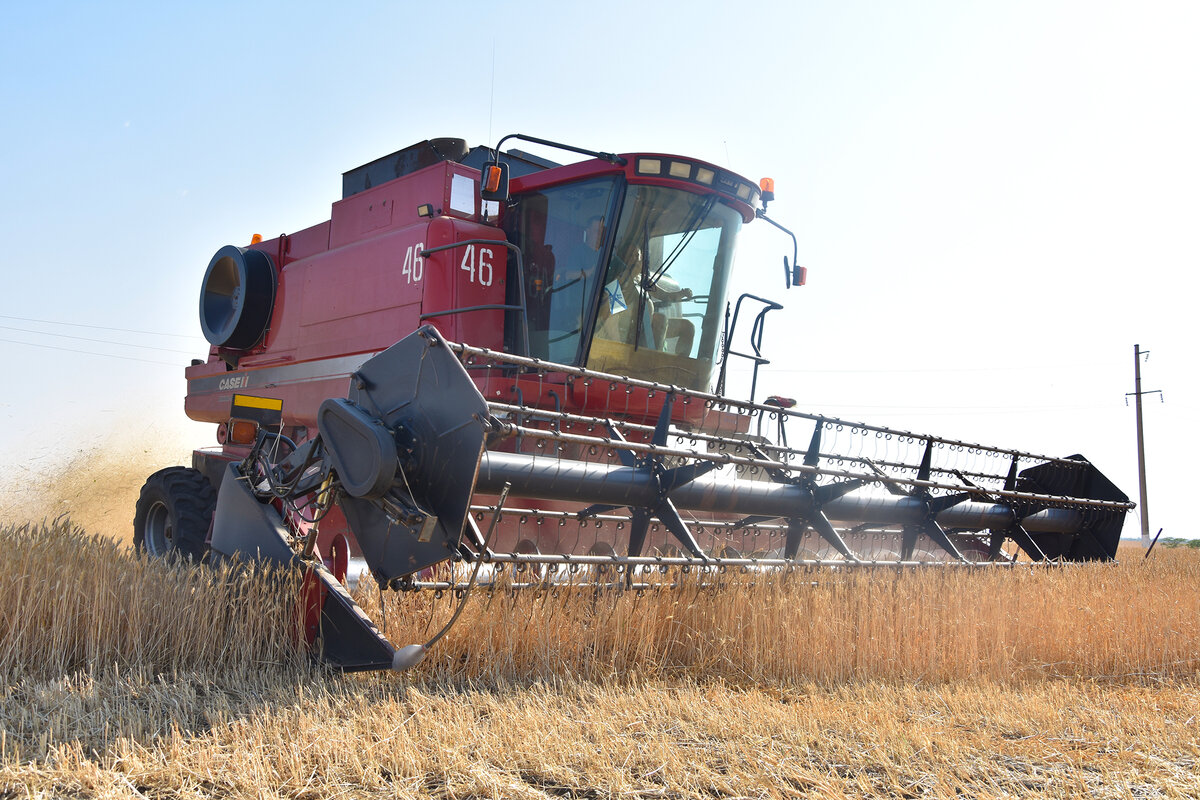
column 995, row 201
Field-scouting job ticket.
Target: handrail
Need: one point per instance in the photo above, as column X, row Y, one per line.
column 524, row 318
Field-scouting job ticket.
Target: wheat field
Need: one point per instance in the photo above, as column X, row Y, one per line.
column 1091, row 621
column 131, row 678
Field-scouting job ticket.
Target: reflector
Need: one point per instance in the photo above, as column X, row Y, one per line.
column 492, row 178
column 242, row 431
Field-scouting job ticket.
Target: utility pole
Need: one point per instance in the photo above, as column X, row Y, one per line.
column 1137, row 393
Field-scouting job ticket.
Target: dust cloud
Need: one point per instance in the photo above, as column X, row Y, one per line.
column 95, row 484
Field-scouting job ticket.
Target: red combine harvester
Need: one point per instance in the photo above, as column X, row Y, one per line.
column 485, row 340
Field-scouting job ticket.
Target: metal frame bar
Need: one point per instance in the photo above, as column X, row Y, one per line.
column 725, row 403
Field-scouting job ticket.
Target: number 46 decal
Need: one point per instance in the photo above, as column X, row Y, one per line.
column 479, row 268
column 414, row 264
column 484, row 271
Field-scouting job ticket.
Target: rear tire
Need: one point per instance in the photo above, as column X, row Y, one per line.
column 174, row 513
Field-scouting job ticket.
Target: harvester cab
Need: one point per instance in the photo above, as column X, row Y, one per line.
column 479, row 339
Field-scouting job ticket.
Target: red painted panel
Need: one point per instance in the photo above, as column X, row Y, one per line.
column 466, row 276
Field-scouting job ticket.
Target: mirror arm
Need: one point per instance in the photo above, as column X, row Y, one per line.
column 612, row 158
column 790, row 275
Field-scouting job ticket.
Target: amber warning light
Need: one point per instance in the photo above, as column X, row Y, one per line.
column 767, row 187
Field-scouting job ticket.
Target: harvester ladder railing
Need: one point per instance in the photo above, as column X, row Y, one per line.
column 756, row 336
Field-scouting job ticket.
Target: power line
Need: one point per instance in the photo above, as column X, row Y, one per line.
column 91, row 353
column 97, row 341
column 949, row 411
column 99, row 327
column 918, row 370
column 979, row 409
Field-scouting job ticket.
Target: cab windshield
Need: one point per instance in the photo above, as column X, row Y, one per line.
column 661, row 300
column 643, row 297
column 561, row 233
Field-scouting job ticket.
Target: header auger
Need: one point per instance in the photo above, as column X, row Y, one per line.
column 483, row 341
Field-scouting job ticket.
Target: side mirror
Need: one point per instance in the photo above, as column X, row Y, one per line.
column 794, row 274
column 493, row 181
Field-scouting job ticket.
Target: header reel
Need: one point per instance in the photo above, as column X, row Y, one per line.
column 432, row 432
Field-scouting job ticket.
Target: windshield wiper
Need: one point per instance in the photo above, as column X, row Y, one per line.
column 693, row 226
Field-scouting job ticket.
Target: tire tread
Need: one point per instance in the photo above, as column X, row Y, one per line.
column 190, row 500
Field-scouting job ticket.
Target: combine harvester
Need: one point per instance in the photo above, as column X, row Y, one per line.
column 484, row 357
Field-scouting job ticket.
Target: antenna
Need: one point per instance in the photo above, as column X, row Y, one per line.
column 492, row 95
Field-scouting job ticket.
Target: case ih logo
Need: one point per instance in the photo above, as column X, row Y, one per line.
column 236, row 382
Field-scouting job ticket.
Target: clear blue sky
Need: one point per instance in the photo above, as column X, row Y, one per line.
column 995, row 201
